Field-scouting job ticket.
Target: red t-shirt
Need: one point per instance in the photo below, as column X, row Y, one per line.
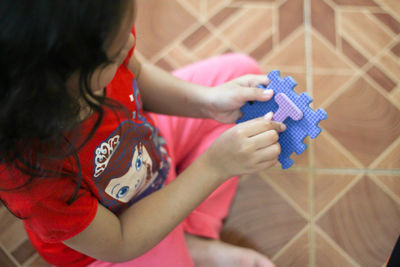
column 123, row 162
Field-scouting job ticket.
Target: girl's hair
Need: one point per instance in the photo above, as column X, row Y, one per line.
column 42, row 43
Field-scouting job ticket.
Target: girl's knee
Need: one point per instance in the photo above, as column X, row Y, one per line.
column 241, row 64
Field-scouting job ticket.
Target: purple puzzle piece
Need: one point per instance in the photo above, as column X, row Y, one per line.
column 286, row 109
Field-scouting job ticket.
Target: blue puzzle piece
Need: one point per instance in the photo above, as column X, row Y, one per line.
column 292, row 139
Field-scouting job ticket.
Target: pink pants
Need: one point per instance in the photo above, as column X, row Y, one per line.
column 187, row 138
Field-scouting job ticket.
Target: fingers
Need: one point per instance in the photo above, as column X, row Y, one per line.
column 265, row 139
column 251, row 92
column 252, row 80
column 267, row 154
column 257, row 126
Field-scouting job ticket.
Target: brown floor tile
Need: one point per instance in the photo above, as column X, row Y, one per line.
column 327, row 255
column 249, row 27
column 391, row 5
column 352, row 53
column 389, row 21
column 363, row 121
column 323, row 19
column 390, row 65
column 12, row 232
column 289, row 54
column 396, row 50
column 156, row 27
column 294, row 184
column 364, row 222
column 262, row 49
column 5, row 260
column 24, row 252
column 381, row 78
column 328, row 154
column 391, row 161
column 355, row 2
column 392, row 183
column 260, row 218
column 38, row 262
column 290, row 17
column 325, row 85
column 196, row 37
column 324, row 56
column 364, row 32
column 223, row 15
column 327, row 187
column 297, row 254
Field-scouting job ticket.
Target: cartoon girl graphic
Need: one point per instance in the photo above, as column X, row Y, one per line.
column 129, row 165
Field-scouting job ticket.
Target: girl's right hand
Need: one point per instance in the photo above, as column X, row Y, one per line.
column 246, row 148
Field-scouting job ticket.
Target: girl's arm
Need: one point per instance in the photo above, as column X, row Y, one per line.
column 252, row 147
column 163, row 93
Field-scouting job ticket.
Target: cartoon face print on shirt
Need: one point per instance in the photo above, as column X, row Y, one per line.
column 136, row 180
column 128, row 166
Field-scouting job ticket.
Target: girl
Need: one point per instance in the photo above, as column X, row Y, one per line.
column 87, row 167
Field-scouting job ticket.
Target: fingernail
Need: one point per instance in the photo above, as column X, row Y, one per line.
column 268, row 92
column 269, row 115
column 283, row 127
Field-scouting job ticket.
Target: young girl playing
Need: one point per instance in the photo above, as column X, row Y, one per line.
column 95, row 177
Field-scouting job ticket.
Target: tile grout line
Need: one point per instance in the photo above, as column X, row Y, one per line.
column 339, row 196
column 378, row 160
column 336, row 246
column 9, row 255
column 309, row 84
column 385, row 188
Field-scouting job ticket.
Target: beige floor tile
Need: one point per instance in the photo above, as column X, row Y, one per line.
column 297, row 254
column 363, row 121
column 261, row 219
column 364, row 223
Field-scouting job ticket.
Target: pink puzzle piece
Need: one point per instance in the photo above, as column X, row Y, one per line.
column 286, row 109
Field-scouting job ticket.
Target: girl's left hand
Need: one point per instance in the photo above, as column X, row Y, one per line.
column 224, row 101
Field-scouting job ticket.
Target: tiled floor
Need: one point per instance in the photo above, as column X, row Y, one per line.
column 340, row 204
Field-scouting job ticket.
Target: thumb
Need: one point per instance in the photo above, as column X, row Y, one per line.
column 257, row 94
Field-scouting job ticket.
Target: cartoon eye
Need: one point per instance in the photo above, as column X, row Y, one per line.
column 139, row 162
column 122, row 192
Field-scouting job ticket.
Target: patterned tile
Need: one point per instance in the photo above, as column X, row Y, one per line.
column 329, row 154
column 327, row 187
column 290, row 54
column 245, row 29
column 290, row 17
column 5, row 259
column 294, row 184
column 156, row 27
column 323, row 19
column 260, row 218
column 325, row 85
column 364, row 32
column 24, row 252
column 297, row 254
column 327, row 255
column 12, row 232
column 364, row 223
column 392, row 183
column 363, row 121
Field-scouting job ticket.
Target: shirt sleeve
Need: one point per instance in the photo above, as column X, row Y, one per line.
column 44, row 207
column 54, row 220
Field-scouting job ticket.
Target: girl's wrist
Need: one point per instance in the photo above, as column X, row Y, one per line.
column 216, row 172
column 206, row 102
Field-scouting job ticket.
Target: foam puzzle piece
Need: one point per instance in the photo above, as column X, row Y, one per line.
column 299, row 125
column 286, row 109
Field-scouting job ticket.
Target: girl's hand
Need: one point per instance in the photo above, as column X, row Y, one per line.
column 246, row 148
column 224, row 101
